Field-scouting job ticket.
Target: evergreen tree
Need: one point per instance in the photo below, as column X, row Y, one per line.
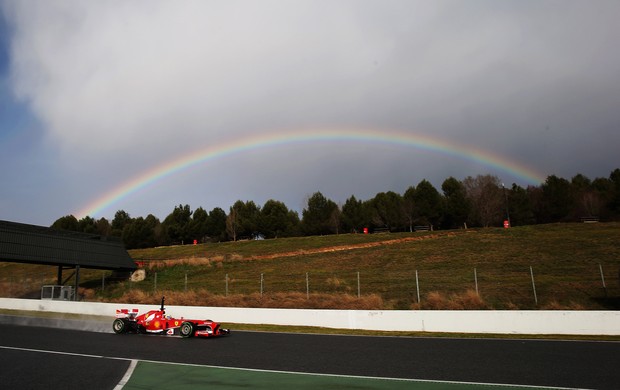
column 138, row 234
column 388, row 207
column 457, row 206
column 429, row 204
column 520, row 206
column 318, row 217
column 354, row 217
column 68, row 222
column 87, row 225
column 199, row 224
column 614, row 197
column 216, row 225
column 557, row 200
column 121, row 219
column 177, row 225
column 246, row 219
column 103, row 227
column 275, row 220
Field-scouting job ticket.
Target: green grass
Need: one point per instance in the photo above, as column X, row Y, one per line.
column 565, row 259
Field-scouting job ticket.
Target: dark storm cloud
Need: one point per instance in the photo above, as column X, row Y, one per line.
column 125, row 86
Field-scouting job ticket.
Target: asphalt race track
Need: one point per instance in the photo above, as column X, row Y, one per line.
column 572, row 364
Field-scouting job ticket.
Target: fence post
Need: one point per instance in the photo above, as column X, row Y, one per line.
column 476, row 280
column 103, row 281
column 417, row 285
column 186, row 282
column 358, row 285
column 533, row 285
column 600, row 267
column 155, row 282
column 261, row 284
column 307, row 287
column 226, row 285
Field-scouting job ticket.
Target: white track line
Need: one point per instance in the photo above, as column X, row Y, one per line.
column 127, row 376
column 134, row 362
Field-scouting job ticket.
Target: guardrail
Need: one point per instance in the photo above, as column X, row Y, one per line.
column 559, row 322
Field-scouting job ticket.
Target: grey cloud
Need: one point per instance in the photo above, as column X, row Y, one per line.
column 129, row 85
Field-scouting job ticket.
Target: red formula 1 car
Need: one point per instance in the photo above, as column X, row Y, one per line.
column 157, row 322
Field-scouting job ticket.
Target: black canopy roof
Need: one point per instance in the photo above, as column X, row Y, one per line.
column 32, row 244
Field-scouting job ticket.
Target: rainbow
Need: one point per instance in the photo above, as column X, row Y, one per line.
column 281, row 139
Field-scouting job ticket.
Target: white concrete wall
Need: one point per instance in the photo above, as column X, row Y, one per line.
column 452, row 321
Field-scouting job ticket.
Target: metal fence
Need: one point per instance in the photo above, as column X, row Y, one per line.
column 528, row 286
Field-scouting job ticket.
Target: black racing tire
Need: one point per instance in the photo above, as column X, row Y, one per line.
column 187, row 329
column 119, row 326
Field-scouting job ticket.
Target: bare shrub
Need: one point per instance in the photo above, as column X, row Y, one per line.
column 435, row 300
column 134, row 296
column 87, row 294
column 470, row 300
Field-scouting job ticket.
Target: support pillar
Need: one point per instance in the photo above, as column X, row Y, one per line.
column 77, row 282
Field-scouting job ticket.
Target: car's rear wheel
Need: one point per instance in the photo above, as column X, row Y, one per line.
column 187, row 329
column 119, row 326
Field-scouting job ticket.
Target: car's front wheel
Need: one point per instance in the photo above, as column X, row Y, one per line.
column 119, row 326
column 187, row 329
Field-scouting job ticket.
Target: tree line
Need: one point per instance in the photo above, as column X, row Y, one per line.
column 480, row 201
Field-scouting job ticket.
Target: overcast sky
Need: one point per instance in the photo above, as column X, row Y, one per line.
column 93, row 94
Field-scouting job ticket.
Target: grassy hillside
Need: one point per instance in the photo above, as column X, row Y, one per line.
column 566, row 261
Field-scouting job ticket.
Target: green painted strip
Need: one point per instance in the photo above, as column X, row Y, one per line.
column 154, row 376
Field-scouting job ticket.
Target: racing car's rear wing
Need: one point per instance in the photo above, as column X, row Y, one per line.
column 125, row 313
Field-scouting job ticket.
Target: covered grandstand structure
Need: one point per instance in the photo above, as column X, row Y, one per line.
column 31, row 244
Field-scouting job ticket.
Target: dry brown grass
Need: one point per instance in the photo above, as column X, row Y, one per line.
column 555, row 305
column 565, row 258
column 191, row 261
column 336, row 284
column 12, row 290
column 87, row 294
column 435, row 300
column 275, row 300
